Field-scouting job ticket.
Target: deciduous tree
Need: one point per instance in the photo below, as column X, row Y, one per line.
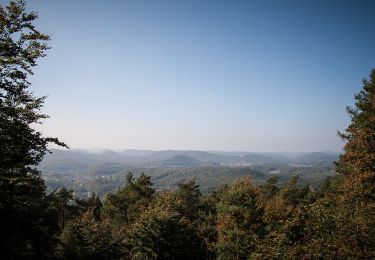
column 24, row 222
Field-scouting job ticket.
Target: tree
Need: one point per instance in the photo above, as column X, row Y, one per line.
column 60, row 200
column 341, row 223
column 93, row 205
column 187, row 199
column 161, row 232
column 284, row 218
column 126, row 204
column 24, row 222
column 358, row 160
column 88, row 238
column 239, row 221
column 357, row 165
column 269, row 189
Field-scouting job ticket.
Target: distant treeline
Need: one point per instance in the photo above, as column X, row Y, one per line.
column 104, row 179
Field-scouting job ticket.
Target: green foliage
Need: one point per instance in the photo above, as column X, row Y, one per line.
column 26, row 223
column 161, row 233
column 88, row 238
column 270, row 188
column 124, row 206
column 188, row 200
column 239, row 221
column 60, row 202
column 357, row 165
column 359, row 153
column 358, row 160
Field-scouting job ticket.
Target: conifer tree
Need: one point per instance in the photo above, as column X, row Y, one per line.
column 341, row 223
column 358, row 160
column 357, row 165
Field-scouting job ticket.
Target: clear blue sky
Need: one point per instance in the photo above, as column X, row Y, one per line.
column 222, row 75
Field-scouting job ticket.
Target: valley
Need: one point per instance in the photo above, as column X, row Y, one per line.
column 100, row 172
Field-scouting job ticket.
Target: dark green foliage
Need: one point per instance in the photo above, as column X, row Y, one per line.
column 270, row 188
column 124, row 206
column 60, row 202
column 357, row 162
column 26, row 223
column 359, row 156
column 160, row 233
column 92, row 205
column 88, row 238
column 188, row 200
column 239, row 221
column 341, row 222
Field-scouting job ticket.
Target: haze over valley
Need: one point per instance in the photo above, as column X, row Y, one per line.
column 102, row 171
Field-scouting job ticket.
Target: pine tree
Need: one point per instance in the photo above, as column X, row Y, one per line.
column 342, row 221
column 357, row 165
column 24, row 223
column 188, row 200
column 358, row 160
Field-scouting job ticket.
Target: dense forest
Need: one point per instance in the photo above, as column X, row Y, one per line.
column 243, row 220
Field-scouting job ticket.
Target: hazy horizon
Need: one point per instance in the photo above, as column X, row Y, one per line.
column 102, row 149
column 203, row 75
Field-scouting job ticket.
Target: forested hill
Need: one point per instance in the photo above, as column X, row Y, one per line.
column 102, row 171
column 72, row 160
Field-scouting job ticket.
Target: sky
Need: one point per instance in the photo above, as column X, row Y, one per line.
column 209, row 75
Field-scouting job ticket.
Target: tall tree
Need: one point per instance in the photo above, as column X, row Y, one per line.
column 358, row 160
column 24, row 223
column 188, row 200
column 357, row 165
column 341, row 223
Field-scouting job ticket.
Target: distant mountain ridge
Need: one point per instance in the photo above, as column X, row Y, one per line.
column 78, row 160
column 180, row 161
